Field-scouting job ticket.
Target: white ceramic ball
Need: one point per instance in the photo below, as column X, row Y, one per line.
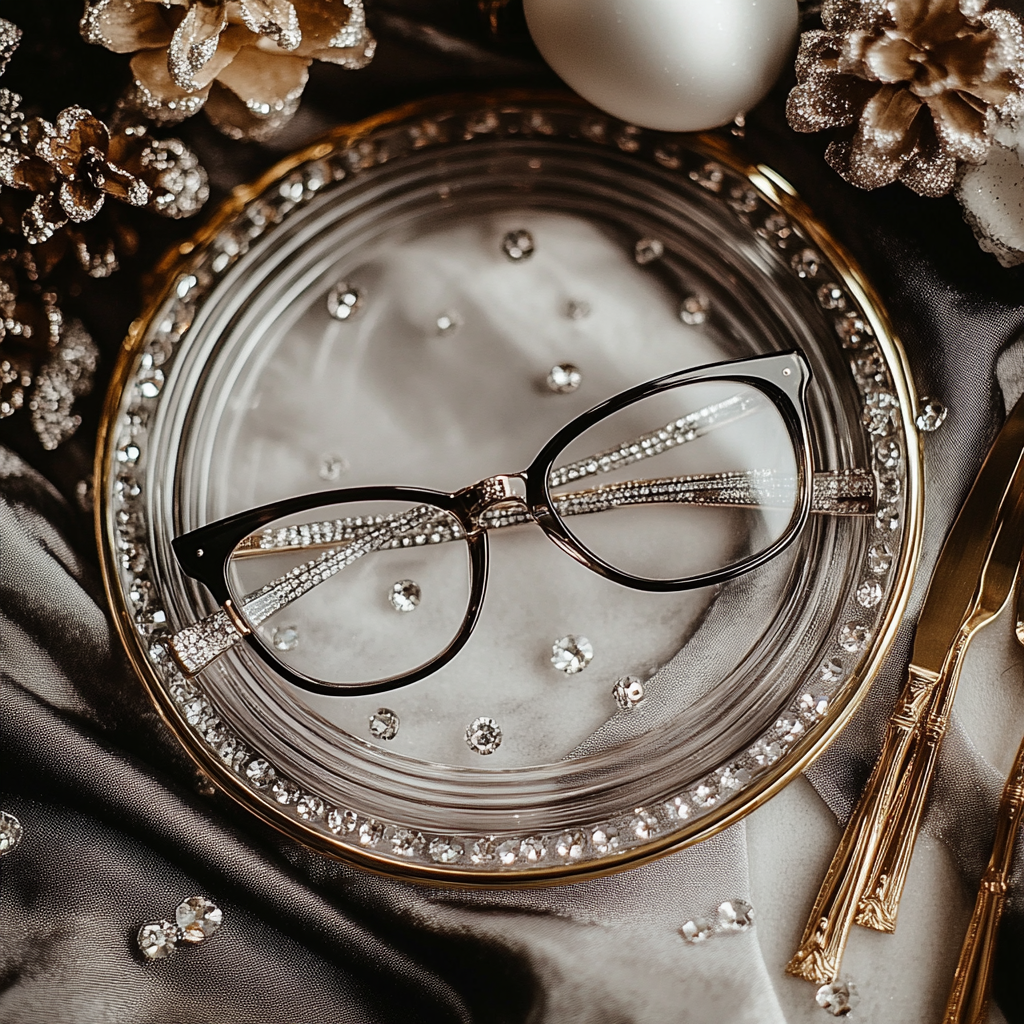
column 673, row 65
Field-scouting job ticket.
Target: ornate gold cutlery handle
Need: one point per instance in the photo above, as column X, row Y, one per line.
column 824, row 939
column 968, row 999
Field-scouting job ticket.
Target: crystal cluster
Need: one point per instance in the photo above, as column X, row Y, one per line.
column 195, row 920
column 572, row 654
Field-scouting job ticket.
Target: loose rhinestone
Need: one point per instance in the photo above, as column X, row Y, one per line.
column 531, row 849
column 197, row 919
column 507, row 852
column 577, row 309
column 647, row 250
column 879, row 558
column 628, row 692
column 344, row 301
column 694, row 309
column 605, row 838
column 370, row 833
column 260, row 773
column 571, row 845
column 813, row 706
column 869, row 593
column 564, row 378
column 644, row 824
column 517, row 245
column 837, row 997
column 384, row 724
column 406, row 843
column 483, row 735
column 931, row 416
column 831, row 672
column 446, row 851
column 805, row 263
column 310, row 807
column 831, row 296
column 483, row 851
column 700, row 929
column 342, row 821
column 571, row 654
column 285, row 792
column 448, row 323
column 405, row 595
column 157, row 939
column 332, row 467
column 888, row 453
column 735, row 916
column 10, row 833
column 853, row 637
column 285, row 638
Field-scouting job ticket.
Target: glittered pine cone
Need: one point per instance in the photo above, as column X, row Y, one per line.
column 245, row 61
column 918, row 85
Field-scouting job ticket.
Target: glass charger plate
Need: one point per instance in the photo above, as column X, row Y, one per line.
column 385, row 308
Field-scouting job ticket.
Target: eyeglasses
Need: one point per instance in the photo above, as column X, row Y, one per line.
column 731, row 440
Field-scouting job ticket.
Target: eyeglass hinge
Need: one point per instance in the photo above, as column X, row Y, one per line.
column 236, row 620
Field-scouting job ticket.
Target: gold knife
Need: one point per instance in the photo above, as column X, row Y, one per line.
column 971, row 583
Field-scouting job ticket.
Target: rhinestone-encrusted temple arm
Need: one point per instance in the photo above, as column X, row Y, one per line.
column 195, row 646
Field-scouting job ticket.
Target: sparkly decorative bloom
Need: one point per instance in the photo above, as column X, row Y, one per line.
column 918, row 85
column 246, row 61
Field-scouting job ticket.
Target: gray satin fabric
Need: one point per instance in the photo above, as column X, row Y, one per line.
column 117, row 832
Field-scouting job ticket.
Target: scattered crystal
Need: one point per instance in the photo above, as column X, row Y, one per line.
column 370, row 832
column 870, row 367
column 483, row 851
column 743, row 200
column 831, row 672
column 869, row 593
column 405, row 595
column 571, row 845
column 445, row 851
column 448, row 323
column 627, row 138
column 10, row 832
column 694, row 309
column 880, row 414
column 384, row 724
column 677, row 807
column 805, row 263
column 406, row 843
column 483, row 735
column 735, row 916
column 879, row 558
column 837, row 997
column 831, row 296
column 853, row 331
column 644, row 824
column 710, row 176
column 197, row 919
column 888, row 453
column 887, row 519
column 285, row 638
column 705, row 794
column 628, row 692
column 285, row 792
column 853, row 637
column 564, row 378
column 733, row 778
column 310, row 807
column 813, row 706
column 517, row 245
column 507, row 852
column 332, row 467
column 789, row 729
column 667, row 154
column 889, row 488
column 577, row 309
column 151, row 383
column 128, row 453
column 605, row 838
column 700, row 929
column 344, row 301
column 157, row 939
column 931, row 415
column 647, row 250
column 260, row 773
column 531, row 849
column 342, row 821
column 766, row 752
column 571, row 654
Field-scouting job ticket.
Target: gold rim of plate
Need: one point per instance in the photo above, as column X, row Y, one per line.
column 772, row 189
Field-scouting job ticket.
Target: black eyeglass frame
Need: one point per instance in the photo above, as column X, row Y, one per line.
column 204, row 553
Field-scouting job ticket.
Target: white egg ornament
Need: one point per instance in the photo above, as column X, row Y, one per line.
column 672, row 65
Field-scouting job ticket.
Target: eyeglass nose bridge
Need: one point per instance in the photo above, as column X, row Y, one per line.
column 501, row 490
